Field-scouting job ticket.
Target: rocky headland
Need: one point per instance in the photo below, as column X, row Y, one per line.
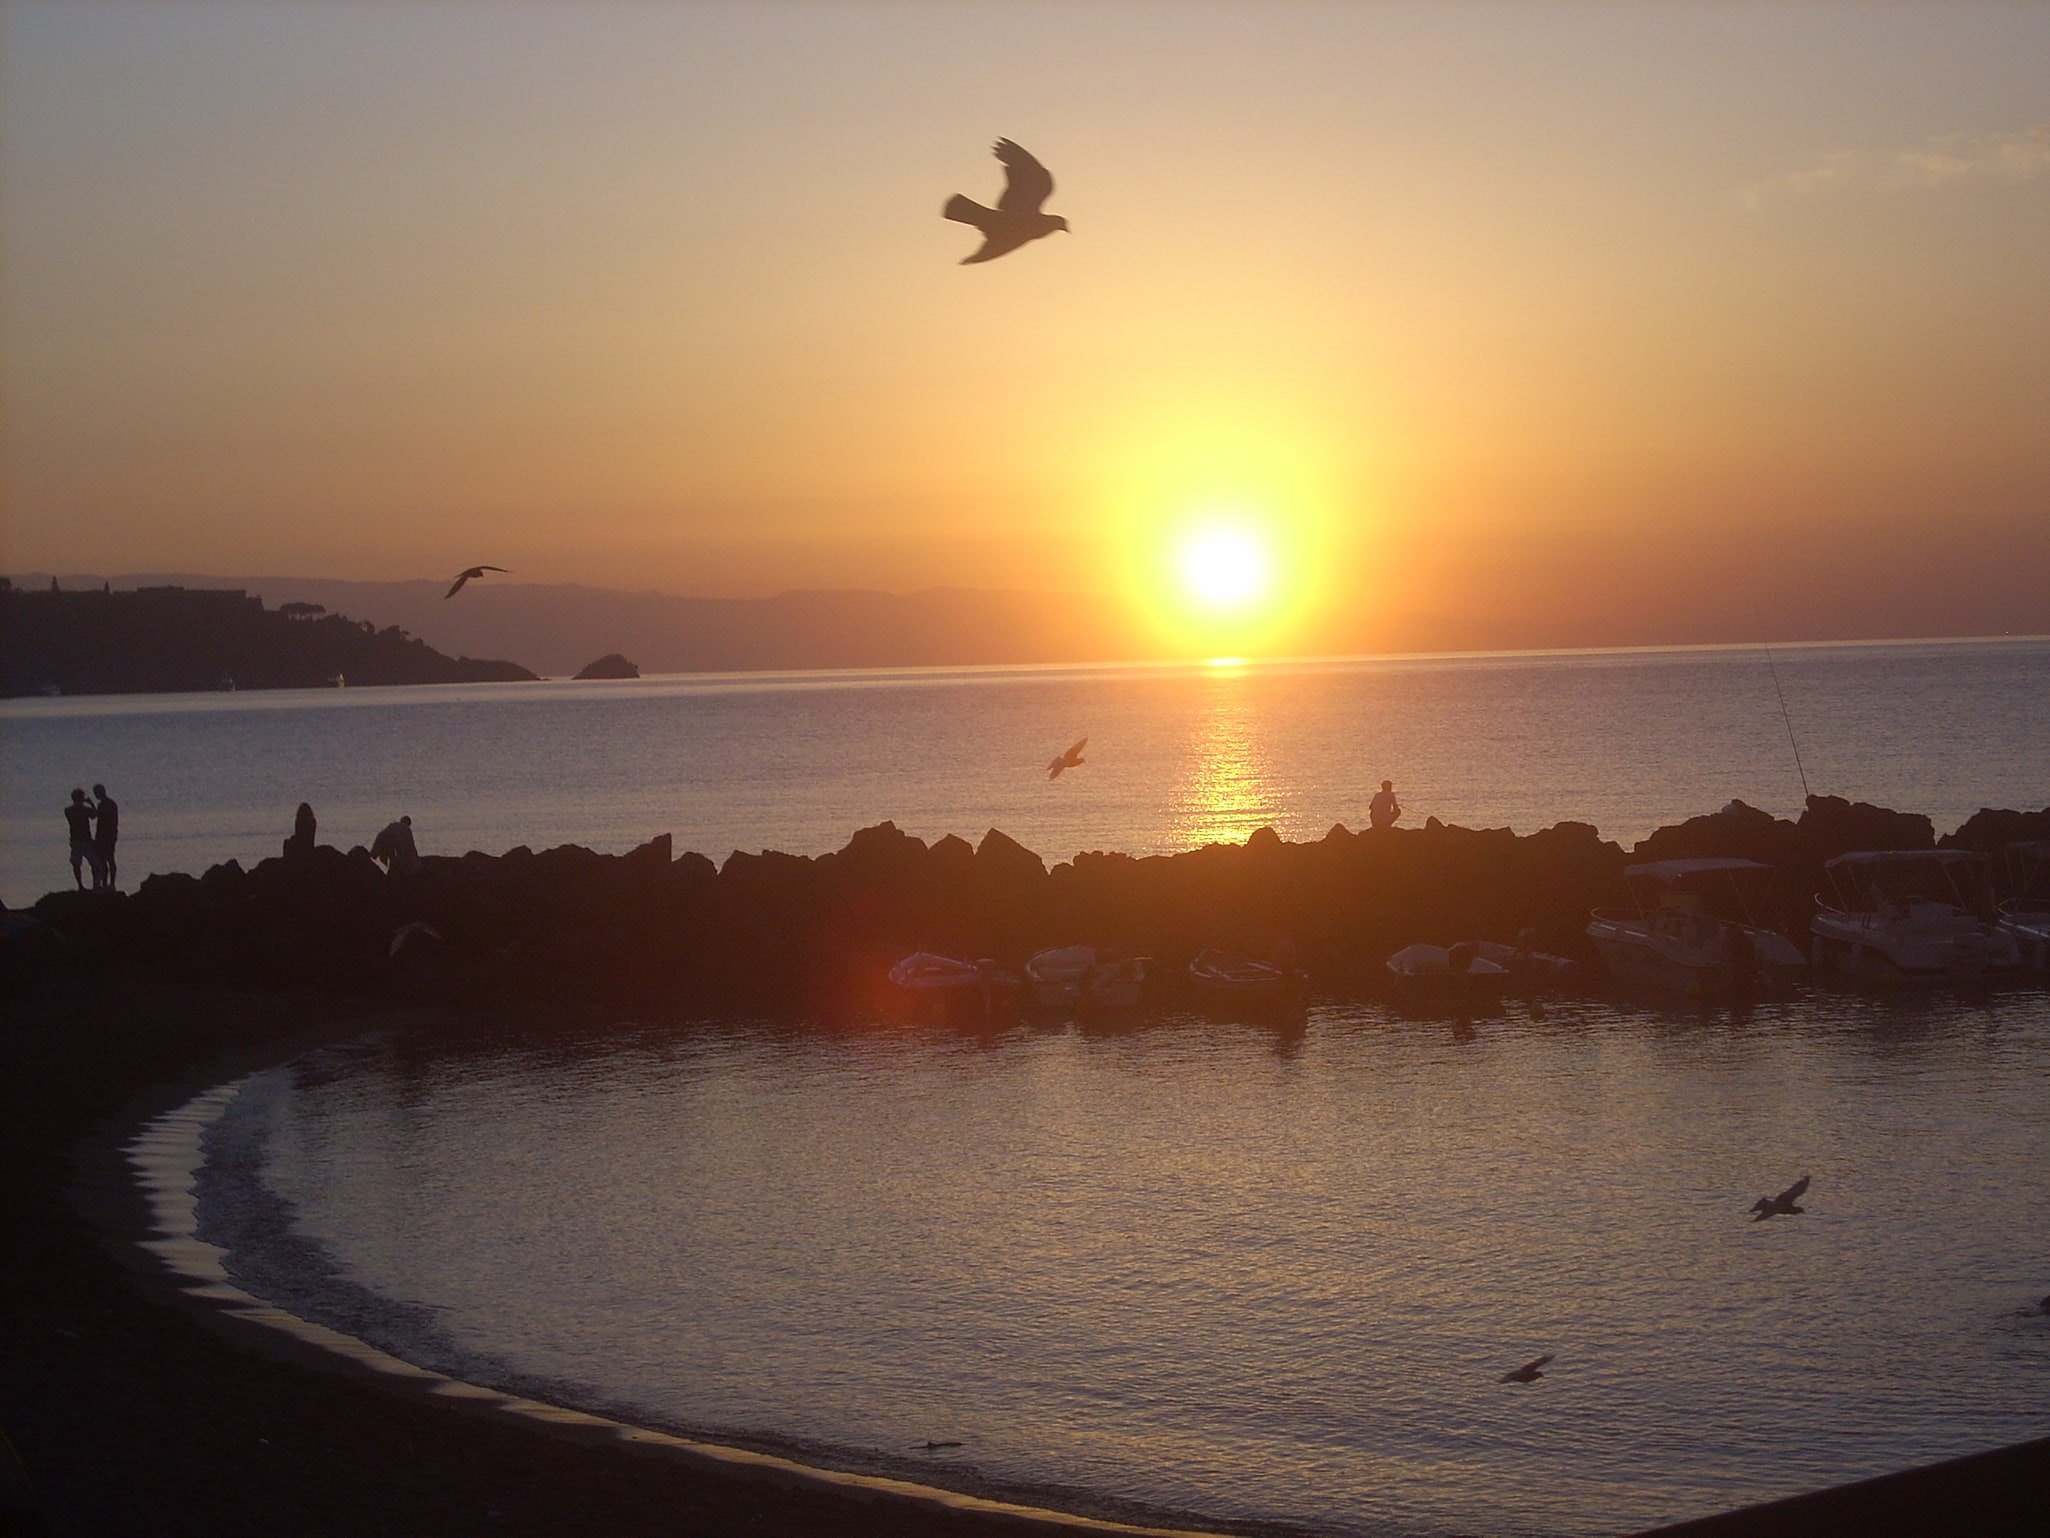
column 158, row 640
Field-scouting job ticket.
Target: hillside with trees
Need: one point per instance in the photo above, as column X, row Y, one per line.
column 174, row 639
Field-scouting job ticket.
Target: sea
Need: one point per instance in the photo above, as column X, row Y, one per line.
column 1195, row 1271
column 1177, row 756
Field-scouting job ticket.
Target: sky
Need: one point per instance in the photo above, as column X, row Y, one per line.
column 1514, row 323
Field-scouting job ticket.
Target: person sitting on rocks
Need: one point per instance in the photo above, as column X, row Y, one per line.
column 393, row 848
column 1384, row 808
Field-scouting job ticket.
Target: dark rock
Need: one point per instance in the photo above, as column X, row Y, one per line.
column 611, row 665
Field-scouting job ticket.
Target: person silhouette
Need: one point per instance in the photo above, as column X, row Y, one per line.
column 1384, row 808
column 394, row 847
column 78, row 818
column 300, row 844
column 106, row 831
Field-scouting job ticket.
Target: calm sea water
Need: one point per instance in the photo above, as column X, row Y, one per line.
column 1212, row 1269
column 1178, row 756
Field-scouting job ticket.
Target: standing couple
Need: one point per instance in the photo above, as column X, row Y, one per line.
column 95, row 829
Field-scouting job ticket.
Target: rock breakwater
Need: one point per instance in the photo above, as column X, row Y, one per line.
column 778, row 932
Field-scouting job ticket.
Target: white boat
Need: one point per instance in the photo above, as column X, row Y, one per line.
column 1695, row 930
column 2026, row 915
column 1083, row 977
column 1903, row 916
column 1055, row 979
column 1119, row 983
column 944, row 980
column 1456, row 974
column 1221, row 975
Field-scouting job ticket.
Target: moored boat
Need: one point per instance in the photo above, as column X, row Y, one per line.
column 1081, row 977
column 945, row 982
column 1695, row 930
column 1055, row 979
column 1901, row 917
column 2026, row 915
column 1224, row 975
column 1457, row 974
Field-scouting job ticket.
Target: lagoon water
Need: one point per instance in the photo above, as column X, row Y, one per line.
column 1178, row 755
column 1209, row 1269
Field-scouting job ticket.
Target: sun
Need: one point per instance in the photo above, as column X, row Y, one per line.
column 1226, row 568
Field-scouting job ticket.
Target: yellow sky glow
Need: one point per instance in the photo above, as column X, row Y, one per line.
column 1501, row 323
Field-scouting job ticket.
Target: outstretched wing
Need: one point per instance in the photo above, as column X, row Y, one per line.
column 1002, row 243
column 1536, row 1363
column 1027, row 183
column 1076, row 751
column 1793, row 1193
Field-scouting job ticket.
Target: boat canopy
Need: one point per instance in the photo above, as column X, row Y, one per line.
column 1870, row 879
column 1674, row 870
column 1872, row 858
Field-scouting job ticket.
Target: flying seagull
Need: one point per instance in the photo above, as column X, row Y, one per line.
column 474, row 571
column 1782, row 1205
column 1068, row 760
column 1017, row 217
column 1529, row 1372
column 407, row 933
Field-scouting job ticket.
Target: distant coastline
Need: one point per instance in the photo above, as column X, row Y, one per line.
column 555, row 628
column 171, row 639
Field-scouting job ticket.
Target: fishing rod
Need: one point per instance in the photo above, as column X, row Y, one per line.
column 1789, row 720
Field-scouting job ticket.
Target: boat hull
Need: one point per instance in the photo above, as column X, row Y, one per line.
column 1635, row 953
column 1871, row 948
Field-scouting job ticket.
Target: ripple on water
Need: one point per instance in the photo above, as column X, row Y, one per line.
column 1211, row 1270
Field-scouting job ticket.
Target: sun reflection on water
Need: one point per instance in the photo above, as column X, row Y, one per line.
column 1226, row 788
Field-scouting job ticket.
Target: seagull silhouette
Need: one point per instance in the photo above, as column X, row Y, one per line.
column 1782, row 1205
column 1017, row 217
column 474, row 571
column 1068, row 760
column 1528, row 1373
column 407, row 933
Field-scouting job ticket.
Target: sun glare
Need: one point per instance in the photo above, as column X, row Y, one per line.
column 1226, row 568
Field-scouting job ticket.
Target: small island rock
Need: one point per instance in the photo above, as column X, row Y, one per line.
column 611, row 665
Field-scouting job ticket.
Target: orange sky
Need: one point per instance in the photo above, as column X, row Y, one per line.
column 1536, row 316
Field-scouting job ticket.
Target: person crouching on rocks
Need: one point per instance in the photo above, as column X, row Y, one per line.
column 1384, row 809
column 78, row 817
column 394, row 849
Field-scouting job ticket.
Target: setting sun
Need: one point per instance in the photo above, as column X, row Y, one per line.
column 1226, row 568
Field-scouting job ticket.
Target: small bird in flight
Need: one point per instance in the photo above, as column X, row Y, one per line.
column 474, row 571
column 1782, row 1205
column 407, row 933
column 1529, row 1372
column 1017, row 217
column 1068, row 760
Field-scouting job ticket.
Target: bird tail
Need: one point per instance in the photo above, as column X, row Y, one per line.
column 967, row 211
